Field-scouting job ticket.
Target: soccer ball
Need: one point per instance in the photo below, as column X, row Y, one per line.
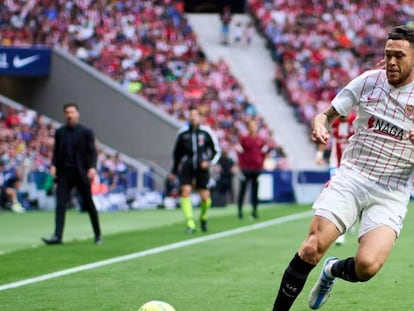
column 156, row 305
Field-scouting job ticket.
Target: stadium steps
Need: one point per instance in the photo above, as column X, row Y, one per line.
column 255, row 69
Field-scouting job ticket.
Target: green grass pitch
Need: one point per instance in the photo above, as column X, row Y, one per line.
column 235, row 272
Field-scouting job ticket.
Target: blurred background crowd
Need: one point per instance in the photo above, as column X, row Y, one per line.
column 319, row 46
column 150, row 48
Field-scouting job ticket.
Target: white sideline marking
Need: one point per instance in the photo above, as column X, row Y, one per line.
column 155, row 250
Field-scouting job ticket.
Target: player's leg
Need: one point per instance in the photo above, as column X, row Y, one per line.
column 255, row 193
column 202, row 183
column 335, row 211
column 242, row 193
column 16, row 206
column 374, row 249
column 380, row 226
column 187, row 207
column 205, row 206
column 332, row 171
column 63, row 190
column 321, row 235
column 340, row 203
column 84, row 191
column 186, row 180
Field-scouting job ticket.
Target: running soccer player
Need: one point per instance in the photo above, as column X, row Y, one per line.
column 372, row 184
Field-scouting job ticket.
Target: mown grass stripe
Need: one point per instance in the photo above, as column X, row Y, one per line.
column 155, row 250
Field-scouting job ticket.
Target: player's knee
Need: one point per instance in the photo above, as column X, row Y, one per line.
column 366, row 268
column 310, row 251
column 205, row 196
column 186, row 191
column 185, row 194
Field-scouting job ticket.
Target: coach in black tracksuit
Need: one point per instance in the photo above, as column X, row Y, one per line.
column 196, row 148
column 73, row 166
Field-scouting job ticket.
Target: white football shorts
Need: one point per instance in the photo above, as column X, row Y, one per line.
column 349, row 197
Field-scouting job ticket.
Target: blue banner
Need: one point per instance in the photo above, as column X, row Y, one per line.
column 16, row 61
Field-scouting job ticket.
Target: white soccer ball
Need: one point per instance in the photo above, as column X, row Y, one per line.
column 156, row 305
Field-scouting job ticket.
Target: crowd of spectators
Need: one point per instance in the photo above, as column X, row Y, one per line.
column 319, row 46
column 25, row 136
column 149, row 47
column 146, row 45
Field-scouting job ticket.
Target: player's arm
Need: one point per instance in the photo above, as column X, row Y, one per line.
column 213, row 145
column 177, row 154
column 55, row 155
column 92, row 155
column 320, row 123
column 319, row 154
column 216, row 150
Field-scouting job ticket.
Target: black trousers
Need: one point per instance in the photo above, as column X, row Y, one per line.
column 246, row 177
column 65, row 183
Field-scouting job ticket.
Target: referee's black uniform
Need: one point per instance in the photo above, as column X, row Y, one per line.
column 194, row 145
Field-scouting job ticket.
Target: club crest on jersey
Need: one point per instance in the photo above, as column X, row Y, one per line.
column 201, row 139
column 385, row 128
column 409, row 111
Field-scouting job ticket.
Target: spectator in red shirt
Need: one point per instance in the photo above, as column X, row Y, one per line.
column 251, row 151
column 12, row 118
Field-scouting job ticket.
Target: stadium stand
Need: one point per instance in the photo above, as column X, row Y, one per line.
column 319, row 47
column 147, row 46
column 150, row 49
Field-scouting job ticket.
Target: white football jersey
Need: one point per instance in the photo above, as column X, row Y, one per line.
column 379, row 149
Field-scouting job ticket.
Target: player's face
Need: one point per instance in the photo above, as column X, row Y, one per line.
column 71, row 116
column 194, row 117
column 399, row 58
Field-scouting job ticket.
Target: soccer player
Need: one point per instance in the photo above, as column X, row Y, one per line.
column 196, row 148
column 372, row 184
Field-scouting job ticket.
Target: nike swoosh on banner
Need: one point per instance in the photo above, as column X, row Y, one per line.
column 21, row 62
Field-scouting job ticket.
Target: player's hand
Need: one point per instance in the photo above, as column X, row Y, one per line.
column 204, row 165
column 320, row 135
column 411, row 136
column 91, row 174
column 52, row 172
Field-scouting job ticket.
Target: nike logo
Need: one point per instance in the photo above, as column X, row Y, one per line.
column 21, row 62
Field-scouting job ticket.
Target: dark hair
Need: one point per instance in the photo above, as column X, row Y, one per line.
column 67, row 105
column 193, row 107
column 402, row 32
